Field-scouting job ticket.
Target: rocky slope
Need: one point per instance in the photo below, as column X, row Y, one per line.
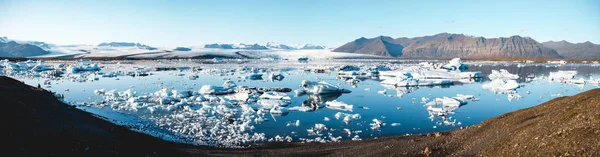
column 446, row 45
column 13, row 49
column 575, row 50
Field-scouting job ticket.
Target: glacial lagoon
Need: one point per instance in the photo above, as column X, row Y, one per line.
column 227, row 120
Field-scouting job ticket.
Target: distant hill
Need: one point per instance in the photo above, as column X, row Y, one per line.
column 381, row 46
column 272, row 45
column 14, row 49
column 182, row 49
column 447, row 45
column 126, row 44
column 572, row 50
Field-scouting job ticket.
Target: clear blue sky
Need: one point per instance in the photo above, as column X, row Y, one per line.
column 325, row 22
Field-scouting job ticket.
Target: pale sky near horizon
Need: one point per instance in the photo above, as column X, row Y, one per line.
column 321, row 22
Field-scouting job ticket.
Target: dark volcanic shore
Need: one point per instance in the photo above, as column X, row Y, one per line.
column 38, row 124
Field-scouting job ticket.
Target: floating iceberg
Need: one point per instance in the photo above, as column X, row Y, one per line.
column 410, row 82
column 501, row 86
column 227, row 88
column 267, row 104
column 455, row 64
column 338, row 105
column 562, row 75
column 276, row 77
column 311, row 87
column 82, row 67
column 502, row 74
column 275, row 95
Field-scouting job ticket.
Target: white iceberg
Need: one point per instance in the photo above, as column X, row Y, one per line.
column 501, row 85
column 312, row 87
column 275, row 95
column 455, row 64
column 502, row 74
column 561, row 75
column 228, row 87
column 338, row 105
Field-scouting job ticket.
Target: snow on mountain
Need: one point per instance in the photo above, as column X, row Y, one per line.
column 126, row 44
column 273, row 45
column 40, row 44
column 310, row 47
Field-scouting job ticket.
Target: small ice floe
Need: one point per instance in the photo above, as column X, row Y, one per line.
column 594, row 80
column 325, row 119
column 424, row 100
column 576, row 81
column 356, row 138
column 377, row 124
column 395, row 124
column 275, row 96
column 411, row 82
column 555, row 95
column 40, row 66
column 514, row 96
column 267, row 103
column 301, row 108
column 276, row 77
column 446, row 101
column 562, row 62
column 317, row 129
column 384, row 92
column 227, row 88
column 338, row 105
column 278, row 110
column 254, row 76
column 502, row 74
column 463, row 97
column 561, row 76
column 455, row 64
column 312, row 87
column 295, row 123
column 347, row 118
column 82, row 66
column 501, row 86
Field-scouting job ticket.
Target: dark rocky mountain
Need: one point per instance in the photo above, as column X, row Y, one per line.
column 446, row 45
column 126, row 44
column 575, row 50
column 381, row 46
column 14, row 49
column 182, row 49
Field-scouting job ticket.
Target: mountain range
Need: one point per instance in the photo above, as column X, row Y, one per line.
column 575, row 50
column 445, row 45
column 236, row 46
column 13, row 49
column 268, row 46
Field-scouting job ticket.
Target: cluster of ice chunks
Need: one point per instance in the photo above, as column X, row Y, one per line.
column 442, row 107
column 225, row 120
